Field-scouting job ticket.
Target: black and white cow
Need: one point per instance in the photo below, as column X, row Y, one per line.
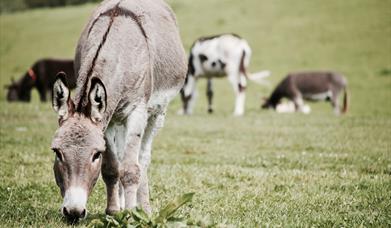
column 218, row 56
column 313, row 86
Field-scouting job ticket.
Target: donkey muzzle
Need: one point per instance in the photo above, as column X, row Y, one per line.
column 74, row 206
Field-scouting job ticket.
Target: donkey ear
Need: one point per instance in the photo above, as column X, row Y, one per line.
column 61, row 97
column 97, row 100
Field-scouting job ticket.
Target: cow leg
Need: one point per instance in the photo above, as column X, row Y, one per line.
column 209, row 93
column 130, row 167
column 110, row 170
column 155, row 122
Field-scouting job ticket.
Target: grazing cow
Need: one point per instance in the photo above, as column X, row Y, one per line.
column 217, row 56
column 41, row 76
column 130, row 63
column 313, row 86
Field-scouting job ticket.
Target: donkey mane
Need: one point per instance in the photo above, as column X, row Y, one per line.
column 116, row 11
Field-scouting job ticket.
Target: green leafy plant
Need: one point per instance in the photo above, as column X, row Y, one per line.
column 138, row 218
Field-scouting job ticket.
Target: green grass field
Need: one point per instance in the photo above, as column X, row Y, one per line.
column 264, row 169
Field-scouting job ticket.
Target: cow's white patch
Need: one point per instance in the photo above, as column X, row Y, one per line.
column 318, row 96
column 75, row 197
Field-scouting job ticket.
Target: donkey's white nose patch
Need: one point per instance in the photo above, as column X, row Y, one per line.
column 75, row 197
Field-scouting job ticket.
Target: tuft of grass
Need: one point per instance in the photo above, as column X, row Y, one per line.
column 138, row 218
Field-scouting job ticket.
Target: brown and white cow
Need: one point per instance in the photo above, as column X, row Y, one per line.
column 130, row 63
column 311, row 85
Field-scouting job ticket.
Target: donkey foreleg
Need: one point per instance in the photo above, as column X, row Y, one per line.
column 299, row 102
column 130, row 168
column 111, row 167
column 121, row 196
column 110, row 172
column 335, row 104
column 155, row 121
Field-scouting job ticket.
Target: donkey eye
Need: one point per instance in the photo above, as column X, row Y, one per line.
column 58, row 154
column 96, row 156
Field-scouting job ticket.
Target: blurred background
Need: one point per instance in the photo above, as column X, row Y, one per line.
column 351, row 37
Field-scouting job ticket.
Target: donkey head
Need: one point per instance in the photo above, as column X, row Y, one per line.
column 13, row 91
column 78, row 145
column 268, row 103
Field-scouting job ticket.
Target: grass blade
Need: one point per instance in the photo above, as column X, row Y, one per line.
column 173, row 206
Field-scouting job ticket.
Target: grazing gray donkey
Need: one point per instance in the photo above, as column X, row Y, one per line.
column 317, row 85
column 130, row 63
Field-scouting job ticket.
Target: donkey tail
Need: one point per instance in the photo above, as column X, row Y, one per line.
column 345, row 101
column 259, row 77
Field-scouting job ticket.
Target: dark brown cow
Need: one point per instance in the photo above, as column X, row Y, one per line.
column 41, row 76
column 314, row 86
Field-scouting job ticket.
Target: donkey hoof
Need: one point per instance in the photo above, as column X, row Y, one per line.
column 110, row 211
column 210, row 111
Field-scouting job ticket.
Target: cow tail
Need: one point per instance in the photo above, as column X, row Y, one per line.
column 345, row 101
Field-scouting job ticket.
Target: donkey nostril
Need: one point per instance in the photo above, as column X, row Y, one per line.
column 65, row 211
column 73, row 214
column 83, row 213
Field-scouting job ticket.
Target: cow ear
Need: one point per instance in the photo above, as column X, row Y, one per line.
column 97, row 100
column 61, row 98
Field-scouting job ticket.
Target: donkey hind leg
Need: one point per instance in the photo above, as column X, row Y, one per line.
column 238, row 83
column 110, row 170
column 155, row 122
column 209, row 94
column 335, row 103
column 130, row 175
